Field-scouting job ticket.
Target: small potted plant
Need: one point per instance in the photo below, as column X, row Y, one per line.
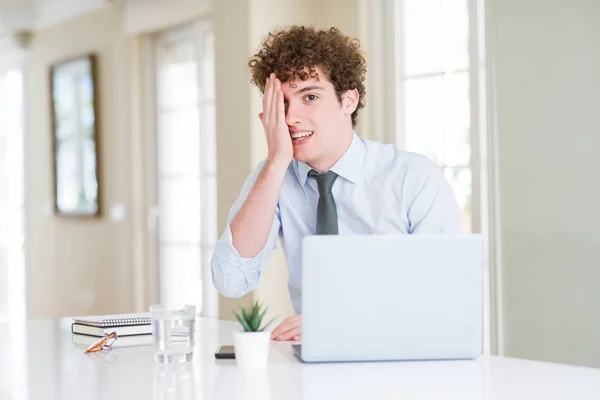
column 252, row 342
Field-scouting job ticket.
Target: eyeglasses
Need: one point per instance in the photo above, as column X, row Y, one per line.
column 103, row 343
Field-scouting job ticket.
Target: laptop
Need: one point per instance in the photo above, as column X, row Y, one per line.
column 390, row 298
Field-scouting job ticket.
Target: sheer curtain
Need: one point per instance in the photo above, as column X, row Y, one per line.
column 186, row 165
column 12, row 238
column 436, row 88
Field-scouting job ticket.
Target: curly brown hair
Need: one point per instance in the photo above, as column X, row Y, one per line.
column 288, row 51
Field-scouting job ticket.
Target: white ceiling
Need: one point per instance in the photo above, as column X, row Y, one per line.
column 32, row 15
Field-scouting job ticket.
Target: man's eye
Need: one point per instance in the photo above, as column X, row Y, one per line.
column 311, row 97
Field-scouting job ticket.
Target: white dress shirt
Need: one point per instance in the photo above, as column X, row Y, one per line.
column 380, row 190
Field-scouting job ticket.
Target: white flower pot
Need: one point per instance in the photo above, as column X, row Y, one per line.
column 251, row 349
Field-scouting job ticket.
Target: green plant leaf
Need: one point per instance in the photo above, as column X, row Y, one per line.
column 243, row 322
column 255, row 309
column 256, row 319
column 260, row 318
column 251, row 317
column 245, row 314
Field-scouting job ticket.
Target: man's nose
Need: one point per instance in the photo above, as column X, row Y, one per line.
column 292, row 116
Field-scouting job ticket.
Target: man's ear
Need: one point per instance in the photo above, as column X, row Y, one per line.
column 350, row 101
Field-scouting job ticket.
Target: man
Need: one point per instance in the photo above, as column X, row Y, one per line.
column 319, row 176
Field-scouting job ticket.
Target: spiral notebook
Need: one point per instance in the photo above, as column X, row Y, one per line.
column 122, row 324
column 107, row 321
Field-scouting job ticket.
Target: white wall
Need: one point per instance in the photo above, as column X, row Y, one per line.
column 548, row 86
column 232, row 98
column 78, row 266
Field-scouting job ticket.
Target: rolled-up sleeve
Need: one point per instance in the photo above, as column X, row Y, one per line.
column 233, row 275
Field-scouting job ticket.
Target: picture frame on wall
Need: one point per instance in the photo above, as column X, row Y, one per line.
column 75, row 130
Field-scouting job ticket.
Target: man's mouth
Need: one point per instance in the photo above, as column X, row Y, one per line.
column 300, row 136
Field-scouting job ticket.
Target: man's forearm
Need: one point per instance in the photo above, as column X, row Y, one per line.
column 251, row 226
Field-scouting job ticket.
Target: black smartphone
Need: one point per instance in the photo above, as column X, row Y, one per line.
column 225, row 352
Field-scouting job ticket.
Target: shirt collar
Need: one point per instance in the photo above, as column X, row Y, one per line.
column 349, row 166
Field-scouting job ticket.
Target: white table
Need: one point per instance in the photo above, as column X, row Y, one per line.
column 39, row 361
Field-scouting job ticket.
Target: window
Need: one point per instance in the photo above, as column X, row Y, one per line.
column 12, row 233
column 12, row 238
column 439, row 73
column 185, row 165
column 434, row 79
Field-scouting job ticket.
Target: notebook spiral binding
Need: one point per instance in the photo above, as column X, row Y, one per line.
column 126, row 321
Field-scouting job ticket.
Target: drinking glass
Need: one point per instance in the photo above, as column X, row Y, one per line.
column 173, row 329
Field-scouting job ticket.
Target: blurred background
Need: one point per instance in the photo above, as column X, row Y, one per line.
column 127, row 128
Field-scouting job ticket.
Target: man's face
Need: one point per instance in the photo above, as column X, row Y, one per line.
column 316, row 119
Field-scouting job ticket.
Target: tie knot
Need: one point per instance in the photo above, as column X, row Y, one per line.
column 324, row 180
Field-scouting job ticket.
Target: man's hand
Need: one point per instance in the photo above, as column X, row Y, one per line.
column 290, row 329
column 279, row 141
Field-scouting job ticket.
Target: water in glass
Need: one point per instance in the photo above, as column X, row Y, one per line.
column 173, row 329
